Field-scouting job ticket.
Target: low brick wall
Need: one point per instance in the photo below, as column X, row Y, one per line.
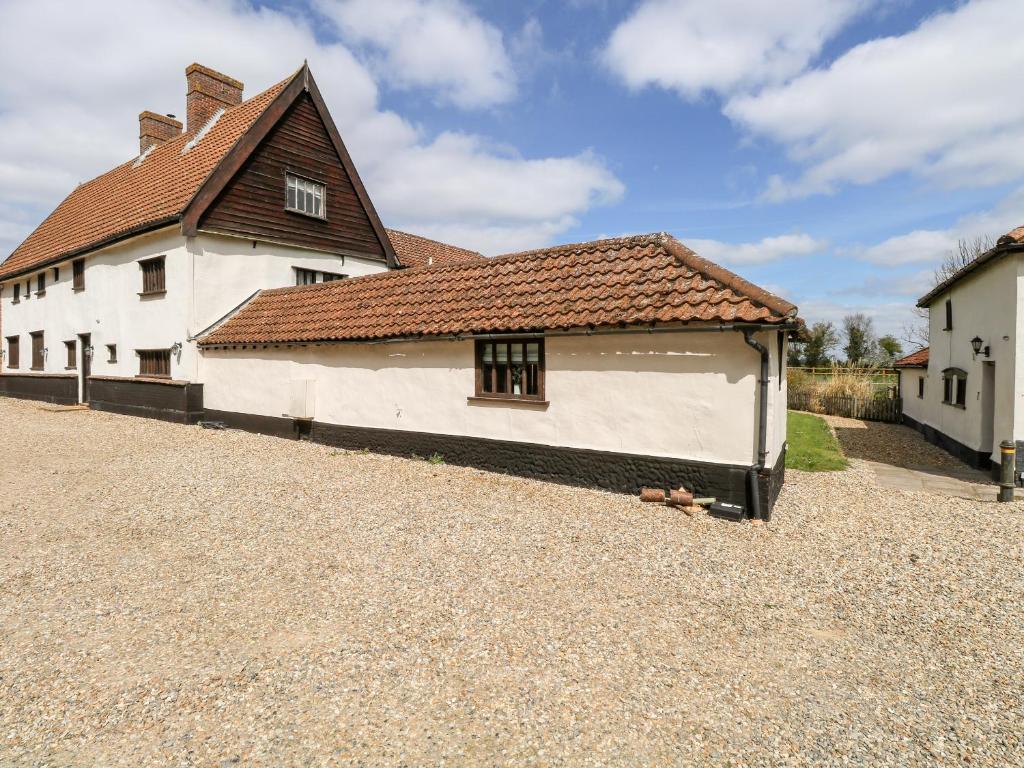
column 58, row 388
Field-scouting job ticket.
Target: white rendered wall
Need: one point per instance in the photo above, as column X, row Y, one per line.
column 109, row 309
column 986, row 304
column 915, row 407
column 687, row 395
column 206, row 276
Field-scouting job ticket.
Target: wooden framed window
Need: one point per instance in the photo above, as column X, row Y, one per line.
column 949, row 315
column 920, row 386
column 56, row 274
column 78, row 275
column 28, row 289
column 153, row 280
column 510, row 369
column 17, row 293
column 305, row 196
column 13, row 351
column 41, row 284
column 111, row 353
column 155, row 362
column 954, row 387
column 70, row 347
column 38, row 351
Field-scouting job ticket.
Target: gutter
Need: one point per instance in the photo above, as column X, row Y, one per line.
column 719, row 327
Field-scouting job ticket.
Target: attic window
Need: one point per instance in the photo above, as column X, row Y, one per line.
column 311, row 276
column 305, row 196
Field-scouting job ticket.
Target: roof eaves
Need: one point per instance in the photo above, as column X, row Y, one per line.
column 990, row 255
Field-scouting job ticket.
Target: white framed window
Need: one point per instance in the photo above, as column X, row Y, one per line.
column 306, row 196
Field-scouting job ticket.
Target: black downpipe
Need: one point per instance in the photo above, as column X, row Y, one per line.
column 753, row 489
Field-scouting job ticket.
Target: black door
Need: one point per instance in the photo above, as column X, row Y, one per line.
column 86, row 366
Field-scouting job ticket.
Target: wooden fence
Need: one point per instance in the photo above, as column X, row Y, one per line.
column 869, row 409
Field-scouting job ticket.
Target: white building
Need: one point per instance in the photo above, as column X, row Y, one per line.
column 159, row 289
column 965, row 392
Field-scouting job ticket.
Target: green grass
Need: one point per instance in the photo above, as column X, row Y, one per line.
column 812, row 447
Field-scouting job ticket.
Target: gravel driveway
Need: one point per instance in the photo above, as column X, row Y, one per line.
column 175, row 596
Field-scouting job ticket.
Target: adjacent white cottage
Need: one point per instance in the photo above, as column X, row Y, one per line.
column 965, row 392
column 238, row 273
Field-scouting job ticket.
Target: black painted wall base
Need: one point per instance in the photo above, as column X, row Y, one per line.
column 177, row 401
column 620, row 472
column 50, row 388
column 970, row 456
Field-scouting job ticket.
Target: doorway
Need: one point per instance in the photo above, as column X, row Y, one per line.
column 85, row 349
column 988, row 407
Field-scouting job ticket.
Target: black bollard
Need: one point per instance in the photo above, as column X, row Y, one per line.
column 1008, row 455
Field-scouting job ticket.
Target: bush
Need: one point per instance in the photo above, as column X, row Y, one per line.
column 800, row 381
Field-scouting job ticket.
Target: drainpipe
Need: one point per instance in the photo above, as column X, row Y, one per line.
column 753, row 491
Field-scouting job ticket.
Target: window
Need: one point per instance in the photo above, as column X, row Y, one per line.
column 152, row 276
column 111, row 353
column 305, row 196
column 28, row 289
column 13, row 349
column 38, row 351
column 69, row 347
column 949, row 315
column 17, row 293
column 78, row 274
column 311, row 276
column 56, row 274
column 920, row 386
column 510, row 369
column 954, row 387
column 155, row 362
column 41, row 284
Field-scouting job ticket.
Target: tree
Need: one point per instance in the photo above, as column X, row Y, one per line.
column 861, row 344
column 915, row 333
column 823, row 339
column 890, row 350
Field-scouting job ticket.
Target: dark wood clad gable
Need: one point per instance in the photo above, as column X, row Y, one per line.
column 253, row 202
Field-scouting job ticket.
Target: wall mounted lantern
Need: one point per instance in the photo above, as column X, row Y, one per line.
column 976, row 343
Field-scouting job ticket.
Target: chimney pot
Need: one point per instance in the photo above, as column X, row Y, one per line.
column 208, row 91
column 156, row 129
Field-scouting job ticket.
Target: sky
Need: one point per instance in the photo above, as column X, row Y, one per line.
column 831, row 151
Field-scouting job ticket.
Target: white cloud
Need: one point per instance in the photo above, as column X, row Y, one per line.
column 930, row 245
column 937, row 101
column 439, row 44
column 77, row 116
column 764, row 251
column 694, row 46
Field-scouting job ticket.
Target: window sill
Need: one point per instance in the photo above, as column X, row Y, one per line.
column 77, row 290
column 148, row 294
column 70, row 367
column 16, row 302
column 40, row 368
column 303, row 213
column 152, row 376
column 539, row 405
column 954, row 405
column 40, row 294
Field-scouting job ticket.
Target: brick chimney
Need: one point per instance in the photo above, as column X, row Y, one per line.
column 156, row 129
column 208, row 91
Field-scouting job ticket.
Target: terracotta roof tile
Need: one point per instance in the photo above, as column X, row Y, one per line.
column 917, row 359
column 624, row 281
column 136, row 194
column 417, row 251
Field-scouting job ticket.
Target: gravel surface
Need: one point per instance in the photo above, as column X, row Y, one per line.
column 176, row 596
column 893, row 444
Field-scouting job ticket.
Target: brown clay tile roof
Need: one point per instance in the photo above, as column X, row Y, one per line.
column 1011, row 242
column 917, row 359
column 644, row 279
column 130, row 198
column 417, row 251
